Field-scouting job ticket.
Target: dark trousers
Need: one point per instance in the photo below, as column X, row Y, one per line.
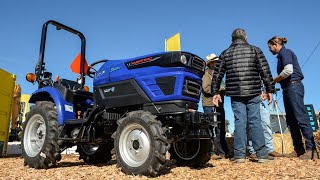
column 220, row 139
column 297, row 117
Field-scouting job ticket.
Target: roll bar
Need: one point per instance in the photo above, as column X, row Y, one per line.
column 40, row 67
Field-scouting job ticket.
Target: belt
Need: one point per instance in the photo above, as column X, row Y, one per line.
column 291, row 82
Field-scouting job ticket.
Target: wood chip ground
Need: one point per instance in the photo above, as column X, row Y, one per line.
column 71, row 168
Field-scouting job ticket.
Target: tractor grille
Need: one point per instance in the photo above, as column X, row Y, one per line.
column 198, row 63
column 191, row 88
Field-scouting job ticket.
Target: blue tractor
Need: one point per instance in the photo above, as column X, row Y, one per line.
column 140, row 109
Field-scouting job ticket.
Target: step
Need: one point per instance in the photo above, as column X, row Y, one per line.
column 14, row 148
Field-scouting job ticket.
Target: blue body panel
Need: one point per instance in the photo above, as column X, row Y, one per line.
column 60, row 103
column 116, row 71
column 147, row 82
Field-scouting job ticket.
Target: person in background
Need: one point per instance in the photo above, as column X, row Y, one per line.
column 208, row 107
column 244, row 65
column 290, row 78
column 267, row 131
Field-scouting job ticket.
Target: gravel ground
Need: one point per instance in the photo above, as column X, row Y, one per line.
column 71, row 168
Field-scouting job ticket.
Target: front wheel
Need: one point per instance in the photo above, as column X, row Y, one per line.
column 192, row 153
column 40, row 135
column 140, row 144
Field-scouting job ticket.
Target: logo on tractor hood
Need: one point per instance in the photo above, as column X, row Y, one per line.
column 108, row 90
column 100, row 73
column 142, row 61
column 114, row 69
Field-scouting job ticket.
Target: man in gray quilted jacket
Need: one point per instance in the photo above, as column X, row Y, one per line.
column 243, row 65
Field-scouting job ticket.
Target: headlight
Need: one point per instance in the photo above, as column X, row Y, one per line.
column 184, row 60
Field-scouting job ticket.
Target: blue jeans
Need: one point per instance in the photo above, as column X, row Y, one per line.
column 220, row 132
column 267, row 131
column 297, row 117
column 247, row 109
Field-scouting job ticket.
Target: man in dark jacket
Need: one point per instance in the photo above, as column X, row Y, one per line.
column 244, row 65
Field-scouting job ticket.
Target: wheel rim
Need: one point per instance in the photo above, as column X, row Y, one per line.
column 187, row 150
column 89, row 149
column 35, row 134
column 134, row 145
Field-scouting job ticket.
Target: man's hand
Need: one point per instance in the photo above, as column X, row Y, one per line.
column 216, row 100
column 269, row 97
column 263, row 96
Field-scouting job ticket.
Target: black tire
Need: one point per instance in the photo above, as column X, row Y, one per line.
column 40, row 135
column 92, row 154
column 140, row 144
column 193, row 153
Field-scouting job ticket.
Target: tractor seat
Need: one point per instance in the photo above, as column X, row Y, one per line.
column 74, row 88
column 71, row 85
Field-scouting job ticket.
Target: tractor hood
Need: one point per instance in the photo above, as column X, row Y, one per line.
column 176, row 61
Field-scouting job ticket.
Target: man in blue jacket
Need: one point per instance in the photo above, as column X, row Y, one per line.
column 290, row 78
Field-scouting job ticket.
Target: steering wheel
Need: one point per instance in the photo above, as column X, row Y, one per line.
column 91, row 71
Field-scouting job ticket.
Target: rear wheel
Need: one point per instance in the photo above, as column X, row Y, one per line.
column 40, row 135
column 140, row 144
column 94, row 154
column 193, row 153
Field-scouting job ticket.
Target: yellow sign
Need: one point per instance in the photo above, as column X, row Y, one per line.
column 173, row 43
column 6, row 97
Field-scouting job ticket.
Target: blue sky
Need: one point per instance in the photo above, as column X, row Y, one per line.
column 125, row 29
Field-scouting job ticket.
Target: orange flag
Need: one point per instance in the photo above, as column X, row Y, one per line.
column 76, row 65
